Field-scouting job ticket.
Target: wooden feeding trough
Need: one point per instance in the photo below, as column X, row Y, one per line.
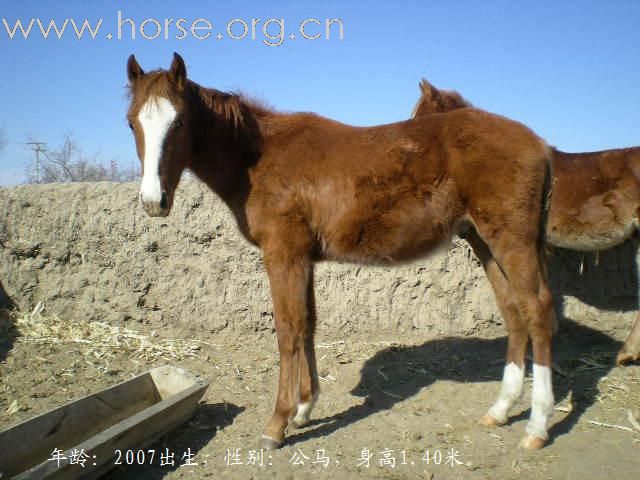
column 127, row 416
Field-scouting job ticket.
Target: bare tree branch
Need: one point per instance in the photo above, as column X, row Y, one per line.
column 68, row 163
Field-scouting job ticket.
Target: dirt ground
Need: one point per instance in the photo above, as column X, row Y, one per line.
column 398, row 398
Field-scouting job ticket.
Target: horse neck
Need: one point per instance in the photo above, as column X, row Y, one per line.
column 224, row 148
column 223, row 161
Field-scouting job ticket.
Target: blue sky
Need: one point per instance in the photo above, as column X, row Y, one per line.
column 568, row 69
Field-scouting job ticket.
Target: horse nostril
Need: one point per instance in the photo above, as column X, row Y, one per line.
column 164, row 204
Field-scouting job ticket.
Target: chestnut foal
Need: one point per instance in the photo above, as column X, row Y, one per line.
column 304, row 188
column 595, row 199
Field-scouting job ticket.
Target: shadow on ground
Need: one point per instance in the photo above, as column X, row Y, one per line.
column 188, row 439
column 408, row 370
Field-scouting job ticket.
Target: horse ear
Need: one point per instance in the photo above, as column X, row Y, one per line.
column 427, row 89
column 134, row 72
column 178, row 71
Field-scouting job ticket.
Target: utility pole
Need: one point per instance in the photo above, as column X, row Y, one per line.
column 37, row 148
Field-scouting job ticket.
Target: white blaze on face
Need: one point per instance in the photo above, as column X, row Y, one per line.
column 155, row 117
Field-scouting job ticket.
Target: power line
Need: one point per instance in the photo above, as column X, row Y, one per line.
column 37, row 148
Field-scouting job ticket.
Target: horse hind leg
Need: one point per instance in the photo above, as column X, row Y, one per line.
column 535, row 304
column 513, row 376
column 523, row 269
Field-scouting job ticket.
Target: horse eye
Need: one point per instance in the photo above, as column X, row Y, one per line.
column 178, row 123
column 131, row 125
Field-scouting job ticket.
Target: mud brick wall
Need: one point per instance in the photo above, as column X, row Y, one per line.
column 90, row 252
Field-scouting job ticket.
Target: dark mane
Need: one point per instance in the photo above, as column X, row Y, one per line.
column 454, row 98
column 226, row 116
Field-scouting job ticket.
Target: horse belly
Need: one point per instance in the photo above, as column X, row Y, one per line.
column 595, row 200
column 601, row 222
column 587, row 239
column 397, row 230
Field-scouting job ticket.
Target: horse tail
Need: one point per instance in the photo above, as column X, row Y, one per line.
column 547, row 191
column 544, row 249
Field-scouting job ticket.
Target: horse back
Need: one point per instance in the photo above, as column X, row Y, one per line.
column 395, row 192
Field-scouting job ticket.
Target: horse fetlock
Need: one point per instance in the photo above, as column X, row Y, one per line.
column 537, row 425
column 268, row 443
column 303, row 414
column 542, row 402
column 510, row 393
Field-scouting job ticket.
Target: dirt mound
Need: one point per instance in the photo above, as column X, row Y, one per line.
column 89, row 252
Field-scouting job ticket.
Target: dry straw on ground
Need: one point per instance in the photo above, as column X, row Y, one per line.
column 100, row 339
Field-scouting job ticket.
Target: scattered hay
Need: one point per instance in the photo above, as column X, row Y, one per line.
column 621, row 387
column 609, row 425
column 100, row 339
column 14, row 407
column 632, row 420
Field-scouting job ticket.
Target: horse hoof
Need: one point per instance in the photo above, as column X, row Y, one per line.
column 268, row 443
column 625, row 357
column 532, row 442
column 490, row 422
column 298, row 423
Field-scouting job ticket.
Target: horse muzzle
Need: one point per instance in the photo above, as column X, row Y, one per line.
column 156, row 208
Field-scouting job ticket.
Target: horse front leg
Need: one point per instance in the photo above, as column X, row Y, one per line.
column 309, row 386
column 289, row 278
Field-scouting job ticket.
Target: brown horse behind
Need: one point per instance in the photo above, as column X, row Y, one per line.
column 304, row 188
column 595, row 198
